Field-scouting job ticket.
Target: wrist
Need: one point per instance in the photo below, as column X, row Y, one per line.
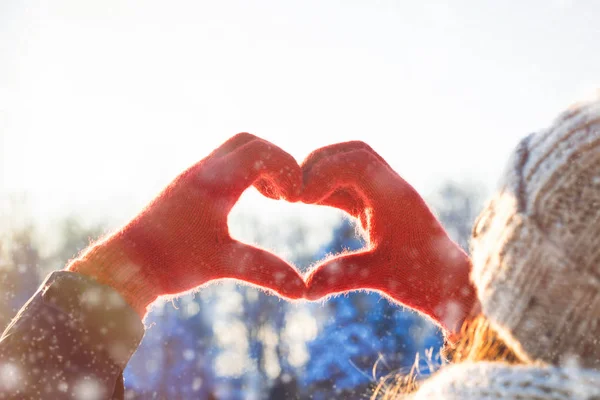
column 458, row 296
column 108, row 264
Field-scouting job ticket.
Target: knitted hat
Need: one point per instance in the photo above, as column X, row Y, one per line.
column 536, row 247
column 491, row 381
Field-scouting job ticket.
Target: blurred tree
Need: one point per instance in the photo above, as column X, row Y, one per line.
column 285, row 387
column 267, row 313
column 457, row 206
column 264, row 315
column 175, row 359
column 19, row 277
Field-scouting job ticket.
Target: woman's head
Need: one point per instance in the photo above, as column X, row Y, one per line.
column 536, row 247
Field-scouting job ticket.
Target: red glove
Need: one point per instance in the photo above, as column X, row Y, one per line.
column 409, row 258
column 181, row 239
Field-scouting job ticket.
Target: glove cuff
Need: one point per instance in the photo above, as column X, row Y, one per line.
column 108, row 264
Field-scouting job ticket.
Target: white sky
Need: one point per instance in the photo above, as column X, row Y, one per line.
column 102, row 103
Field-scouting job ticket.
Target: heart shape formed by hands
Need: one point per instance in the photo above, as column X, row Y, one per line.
column 181, row 239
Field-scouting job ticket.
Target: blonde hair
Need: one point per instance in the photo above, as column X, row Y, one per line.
column 477, row 342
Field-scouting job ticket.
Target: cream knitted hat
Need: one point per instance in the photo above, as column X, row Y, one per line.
column 536, row 247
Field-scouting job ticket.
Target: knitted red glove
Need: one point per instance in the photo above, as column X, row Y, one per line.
column 410, row 258
column 181, row 239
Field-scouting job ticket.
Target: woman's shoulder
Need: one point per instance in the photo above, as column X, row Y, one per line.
column 489, row 380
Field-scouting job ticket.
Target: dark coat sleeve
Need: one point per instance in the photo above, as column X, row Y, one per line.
column 72, row 340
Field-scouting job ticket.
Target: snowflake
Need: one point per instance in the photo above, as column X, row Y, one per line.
column 88, row 389
column 10, row 376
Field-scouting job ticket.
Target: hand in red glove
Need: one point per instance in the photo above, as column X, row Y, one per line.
column 181, row 239
column 409, row 258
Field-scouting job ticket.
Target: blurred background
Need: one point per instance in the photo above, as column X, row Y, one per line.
column 103, row 103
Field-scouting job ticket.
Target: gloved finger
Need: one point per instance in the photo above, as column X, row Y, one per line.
column 231, row 144
column 260, row 267
column 269, row 189
column 324, row 152
column 279, row 173
column 358, row 169
column 345, row 273
column 346, row 199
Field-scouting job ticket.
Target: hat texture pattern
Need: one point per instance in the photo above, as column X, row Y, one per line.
column 536, row 246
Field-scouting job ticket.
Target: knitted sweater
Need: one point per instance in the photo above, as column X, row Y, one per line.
column 486, row 380
column 72, row 340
